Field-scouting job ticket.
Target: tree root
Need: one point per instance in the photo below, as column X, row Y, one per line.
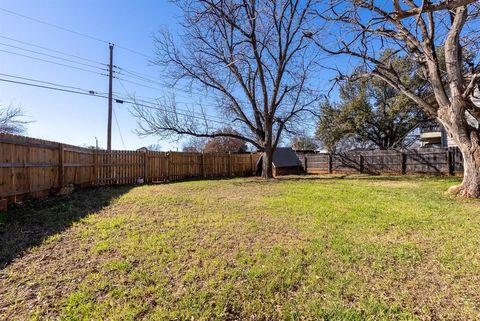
column 462, row 191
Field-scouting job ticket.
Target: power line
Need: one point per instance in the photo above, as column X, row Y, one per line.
column 52, row 56
column 151, row 101
column 90, row 93
column 185, row 112
column 71, row 31
column 135, row 52
column 138, row 76
column 150, row 79
column 53, row 25
column 190, row 93
column 198, row 95
column 48, row 83
column 142, row 100
column 51, row 62
column 87, row 93
column 53, row 50
column 138, row 84
column 96, row 39
column 137, row 101
column 118, row 127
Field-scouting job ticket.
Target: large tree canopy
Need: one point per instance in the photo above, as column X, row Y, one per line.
column 371, row 113
column 253, row 56
column 419, row 30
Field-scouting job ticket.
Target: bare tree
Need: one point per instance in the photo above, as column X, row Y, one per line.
column 154, row 147
column 252, row 56
column 225, row 144
column 303, row 142
column 436, row 35
column 12, row 120
column 194, row 145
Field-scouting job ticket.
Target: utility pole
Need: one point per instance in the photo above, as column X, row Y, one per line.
column 110, row 99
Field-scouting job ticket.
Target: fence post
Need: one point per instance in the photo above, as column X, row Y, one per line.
column 305, row 159
column 95, row 167
column 61, row 165
column 204, row 173
column 168, row 166
column 145, row 167
column 404, row 163
column 450, row 164
column 330, row 165
column 230, row 170
column 362, row 169
column 251, row 164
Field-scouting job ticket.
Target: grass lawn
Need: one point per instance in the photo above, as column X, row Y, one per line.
column 315, row 248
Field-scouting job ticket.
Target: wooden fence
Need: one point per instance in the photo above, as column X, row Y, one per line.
column 435, row 161
column 31, row 167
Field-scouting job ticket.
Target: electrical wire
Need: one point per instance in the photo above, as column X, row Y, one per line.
column 118, row 127
column 136, row 83
column 49, row 83
column 190, row 93
column 151, row 101
column 135, row 52
column 72, row 31
column 134, row 74
column 89, row 93
column 138, row 76
column 53, row 56
column 53, row 50
column 51, row 62
column 148, row 77
column 53, row 25
column 86, row 93
column 185, row 111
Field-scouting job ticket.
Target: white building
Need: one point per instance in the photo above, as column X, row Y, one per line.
column 433, row 134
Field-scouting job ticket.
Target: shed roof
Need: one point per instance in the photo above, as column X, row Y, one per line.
column 285, row 157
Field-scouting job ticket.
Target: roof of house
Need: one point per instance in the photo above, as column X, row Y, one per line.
column 285, row 157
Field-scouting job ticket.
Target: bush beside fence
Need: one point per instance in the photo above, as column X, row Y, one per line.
column 31, row 167
column 437, row 161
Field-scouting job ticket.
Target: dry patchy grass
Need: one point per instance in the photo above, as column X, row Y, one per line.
column 325, row 247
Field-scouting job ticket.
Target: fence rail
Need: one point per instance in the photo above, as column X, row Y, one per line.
column 435, row 161
column 31, row 167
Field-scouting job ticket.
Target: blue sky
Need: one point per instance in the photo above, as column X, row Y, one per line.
column 71, row 118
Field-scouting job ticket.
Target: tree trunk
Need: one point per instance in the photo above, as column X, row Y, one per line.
column 467, row 139
column 268, row 148
column 267, row 168
column 470, row 187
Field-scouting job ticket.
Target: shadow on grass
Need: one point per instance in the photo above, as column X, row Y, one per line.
column 370, row 177
column 28, row 224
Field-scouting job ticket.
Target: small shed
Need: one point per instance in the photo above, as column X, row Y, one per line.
column 286, row 162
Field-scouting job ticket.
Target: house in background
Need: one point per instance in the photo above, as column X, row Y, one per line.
column 432, row 134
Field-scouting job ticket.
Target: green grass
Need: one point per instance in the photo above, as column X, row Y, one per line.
column 316, row 248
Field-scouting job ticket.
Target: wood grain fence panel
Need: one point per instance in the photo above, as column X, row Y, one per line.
column 434, row 161
column 32, row 167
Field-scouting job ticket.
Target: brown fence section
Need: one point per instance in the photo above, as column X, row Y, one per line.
column 31, row 167
column 436, row 161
